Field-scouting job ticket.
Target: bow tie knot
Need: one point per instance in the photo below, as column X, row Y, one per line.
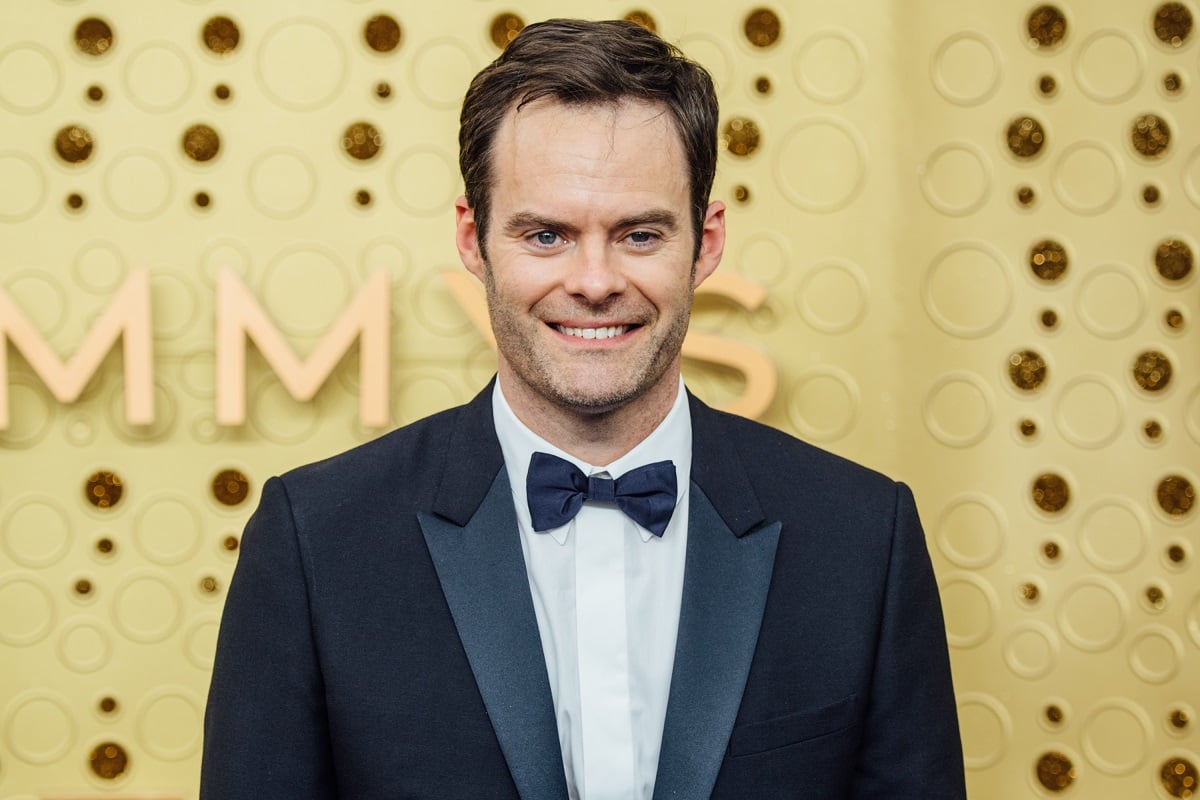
column 556, row 490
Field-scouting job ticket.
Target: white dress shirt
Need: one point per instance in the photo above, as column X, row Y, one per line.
column 606, row 593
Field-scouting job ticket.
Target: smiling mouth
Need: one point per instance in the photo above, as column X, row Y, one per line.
column 594, row 333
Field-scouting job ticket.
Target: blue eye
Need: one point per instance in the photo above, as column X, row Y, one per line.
column 641, row 237
column 547, row 238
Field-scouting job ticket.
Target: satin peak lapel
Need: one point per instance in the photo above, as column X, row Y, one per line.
column 725, row 583
column 482, row 572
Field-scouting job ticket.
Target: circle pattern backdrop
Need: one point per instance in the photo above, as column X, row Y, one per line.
column 973, row 230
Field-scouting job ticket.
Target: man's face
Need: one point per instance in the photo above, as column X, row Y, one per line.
column 589, row 269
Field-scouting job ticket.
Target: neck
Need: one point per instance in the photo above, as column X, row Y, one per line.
column 596, row 437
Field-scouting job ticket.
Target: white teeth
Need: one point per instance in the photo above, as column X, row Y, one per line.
column 593, row 333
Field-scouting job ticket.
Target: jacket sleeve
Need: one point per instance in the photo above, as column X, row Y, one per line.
column 911, row 748
column 266, row 733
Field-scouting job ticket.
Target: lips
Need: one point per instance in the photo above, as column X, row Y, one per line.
column 593, row 333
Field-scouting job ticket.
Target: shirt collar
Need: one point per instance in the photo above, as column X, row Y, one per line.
column 670, row 441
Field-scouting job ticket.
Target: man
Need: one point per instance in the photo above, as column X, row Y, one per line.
column 472, row 607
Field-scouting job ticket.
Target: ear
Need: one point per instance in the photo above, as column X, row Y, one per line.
column 466, row 237
column 712, row 241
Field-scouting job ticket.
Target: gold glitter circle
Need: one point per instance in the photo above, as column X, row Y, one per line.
column 201, row 143
column 1054, row 714
column 95, row 93
column 762, row 85
column 1051, row 550
column 1026, row 195
column 1176, row 554
column 221, row 91
column 1174, row 319
column 231, row 543
column 1172, row 82
column 1150, row 135
column 209, row 585
column 1152, row 371
column 1178, row 718
column 1055, row 771
column 105, row 546
column 1051, row 493
column 103, row 489
column 1151, row 194
column 1153, row 430
column 740, row 136
column 83, row 587
column 362, row 197
column 741, row 193
column 1047, row 85
column 1048, row 260
column 1025, row 137
column 1027, row 370
column 1049, row 318
column 1155, row 596
column 108, row 760
column 202, row 199
column 1029, row 592
column 762, row 27
column 505, row 28
column 382, row 33
column 1172, row 24
column 221, row 35
column 1027, row 427
column 642, row 18
column 362, row 141
column 108, row 705
column 383, row 90
column 1173, row 259
column 74, row 144
column 1179, row 776
column 93, row 36
column 1047, row 27
column 230, row 487
column 1176, row 495
column 75, row 201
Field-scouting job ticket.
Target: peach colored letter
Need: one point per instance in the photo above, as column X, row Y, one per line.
column 127, row 316
column 239, row 316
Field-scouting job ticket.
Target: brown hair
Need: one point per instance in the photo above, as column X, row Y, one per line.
column 589, row 63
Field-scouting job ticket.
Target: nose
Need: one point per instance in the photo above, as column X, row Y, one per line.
column 595, row 273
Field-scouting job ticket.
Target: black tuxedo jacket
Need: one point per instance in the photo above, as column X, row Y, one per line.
column 379, row 639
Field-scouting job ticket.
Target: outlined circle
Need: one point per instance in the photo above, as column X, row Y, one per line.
column 24, row 186
column 138, row 185
column 1109, row 55
column 164, row 416
column 158, row 77
column 284, row 64
column 1077, row 411
column 31, row 411
column 1080, row 170
column 175, row 307
column 1032, row 650
column 968, row 55
column 41, row 298
column 99, row 267
column 766, row 257
column 294, row 277
column 424, row 393
column 945, row 174
column 31, row 71
column 1155, row 654
column 146, row 608
column 713, row 53
column 1092, row 614
column 36, row 532
column 282, row 182
column 959, row 409
column 278, row 416
column 168, row 723
column 828, row 169
column 815, row 60
column 84, row 646
column 200, row 642
column 968, row 270
column 28, row 611
column 971, row 530
column 423, row 181
column 1191, row 177
column 814, row 410
column 39, row 727
column 167, row 528
column 1107, row 287
column 1114, row 534
column 441, row 67
column 1191, row 415
column 435, row 308
column 985, row 722
column 224, row 254
column 832, row 296
column 1111, row 720
column 971, row 608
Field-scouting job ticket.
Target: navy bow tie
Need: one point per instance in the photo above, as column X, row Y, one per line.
column 556, row 489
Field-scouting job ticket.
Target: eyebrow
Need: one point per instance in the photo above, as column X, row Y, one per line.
column 527, row 220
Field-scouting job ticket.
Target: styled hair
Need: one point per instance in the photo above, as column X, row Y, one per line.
column 577, row 62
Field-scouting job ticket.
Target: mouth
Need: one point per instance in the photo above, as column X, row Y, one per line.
column 604, row 332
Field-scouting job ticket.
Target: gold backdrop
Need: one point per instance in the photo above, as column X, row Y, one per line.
column 974, row 222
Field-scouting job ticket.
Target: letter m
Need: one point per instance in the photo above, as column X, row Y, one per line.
column 127, row 316
column 240, row 317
